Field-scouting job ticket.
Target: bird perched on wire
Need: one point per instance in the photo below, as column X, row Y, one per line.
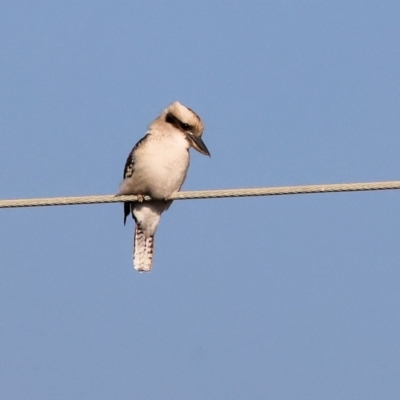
column 157, row 167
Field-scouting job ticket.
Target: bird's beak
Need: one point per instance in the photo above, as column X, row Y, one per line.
column 198, row 144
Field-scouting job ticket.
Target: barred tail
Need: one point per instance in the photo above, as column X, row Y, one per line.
column 143, row 251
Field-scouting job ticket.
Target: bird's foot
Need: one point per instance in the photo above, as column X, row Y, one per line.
column 140, row 198
column 167, row 199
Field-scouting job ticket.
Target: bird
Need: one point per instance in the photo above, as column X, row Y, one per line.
column 157, row 167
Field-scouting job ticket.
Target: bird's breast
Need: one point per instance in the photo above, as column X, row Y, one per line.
column 163, row 165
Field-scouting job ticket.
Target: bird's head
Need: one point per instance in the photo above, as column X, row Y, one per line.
column 188, row 122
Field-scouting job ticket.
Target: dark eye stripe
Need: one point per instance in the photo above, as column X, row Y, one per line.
column 171, row 119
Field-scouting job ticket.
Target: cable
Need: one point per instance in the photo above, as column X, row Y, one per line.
column 206, row 194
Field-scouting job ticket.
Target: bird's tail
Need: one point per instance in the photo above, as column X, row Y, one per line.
column 143, row 251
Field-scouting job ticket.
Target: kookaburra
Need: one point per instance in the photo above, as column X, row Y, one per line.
column 157, row 167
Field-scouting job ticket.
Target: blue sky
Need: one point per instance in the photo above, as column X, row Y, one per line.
column 292, row 297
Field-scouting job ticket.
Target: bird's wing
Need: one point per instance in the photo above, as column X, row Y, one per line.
column 129, row 171
column 130, row 161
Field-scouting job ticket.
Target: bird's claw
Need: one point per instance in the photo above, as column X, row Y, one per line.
column 167, row 199
column 140, row 198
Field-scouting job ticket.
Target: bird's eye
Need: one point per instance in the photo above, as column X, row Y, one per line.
column 185, row 126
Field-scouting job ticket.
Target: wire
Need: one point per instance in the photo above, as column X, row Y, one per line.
column 206, row 194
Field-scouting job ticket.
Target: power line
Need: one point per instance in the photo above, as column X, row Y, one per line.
column 206, row 194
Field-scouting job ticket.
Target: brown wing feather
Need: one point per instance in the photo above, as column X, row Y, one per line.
column 129, row 169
